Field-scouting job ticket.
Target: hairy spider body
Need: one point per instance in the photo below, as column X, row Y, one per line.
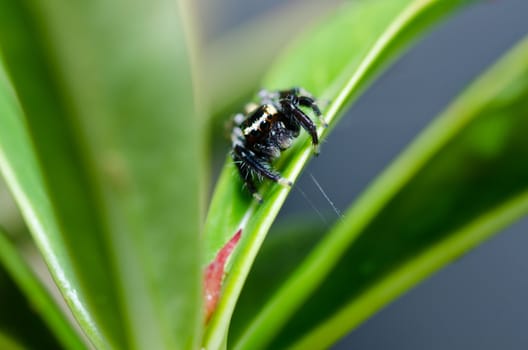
column 264, row 130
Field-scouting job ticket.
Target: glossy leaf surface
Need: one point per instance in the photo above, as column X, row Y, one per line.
column 64, row 174
column 127, row 69
column 129, row 137
column 23, row 176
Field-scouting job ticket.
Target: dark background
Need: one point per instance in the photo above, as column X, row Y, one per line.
column 480, row 301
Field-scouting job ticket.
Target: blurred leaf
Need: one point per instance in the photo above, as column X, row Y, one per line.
column 7, row 343
column 39, row 297
column 10, row 217
column 69, row 190
column 20, row 322
column 462, row 180
column 287, row 244
column 126, row 70
column 335, row 61
column 22, row 174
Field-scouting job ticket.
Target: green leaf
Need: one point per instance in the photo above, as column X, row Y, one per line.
column 40, row 298
column 462, row 180
column 23, row 176
column 126, row 69
column 64, row 174
column 285, row 247
column 369, row 34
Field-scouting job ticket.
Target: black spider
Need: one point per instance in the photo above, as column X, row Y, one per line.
column 264, row 130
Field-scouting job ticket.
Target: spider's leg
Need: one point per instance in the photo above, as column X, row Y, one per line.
column 312, row 104
column 245, row 174
column 289, row 94
column 258, row 166
column 238, row 119
column 309, row 102
column 291, row 110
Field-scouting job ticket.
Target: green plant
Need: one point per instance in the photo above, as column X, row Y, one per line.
column 103, row 124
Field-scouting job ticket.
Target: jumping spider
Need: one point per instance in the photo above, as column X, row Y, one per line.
column 264, row 130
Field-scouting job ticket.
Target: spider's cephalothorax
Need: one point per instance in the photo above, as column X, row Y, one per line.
column 264, row 130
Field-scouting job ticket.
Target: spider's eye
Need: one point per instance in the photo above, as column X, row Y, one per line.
column 255, row 133
column 264, row 125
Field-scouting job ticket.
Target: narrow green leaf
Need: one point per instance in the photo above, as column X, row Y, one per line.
column 64, row 172
column 20, row 320
column 21, row 171
column 38, row 295
column 462, row 180
column 125, row 65
column 369, row 34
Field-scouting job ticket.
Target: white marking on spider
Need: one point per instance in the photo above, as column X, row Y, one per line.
column 250, row 108
column 268, row 110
